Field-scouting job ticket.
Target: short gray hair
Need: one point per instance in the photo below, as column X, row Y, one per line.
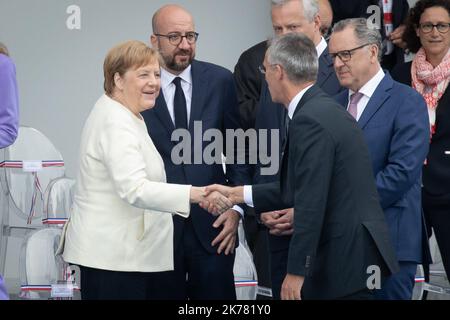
column 310, row 7
column 363, row 33
column 297, row 54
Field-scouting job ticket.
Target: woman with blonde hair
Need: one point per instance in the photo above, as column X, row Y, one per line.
column 121, row 231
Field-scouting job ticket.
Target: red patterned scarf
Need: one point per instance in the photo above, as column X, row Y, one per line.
column 430, row 82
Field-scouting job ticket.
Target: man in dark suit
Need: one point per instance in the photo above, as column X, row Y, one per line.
column 394, row 120
column 193, row 93
column 340, row 231
column 248, row 79
column 289, row 16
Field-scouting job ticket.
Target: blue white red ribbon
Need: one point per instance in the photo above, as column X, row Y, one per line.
column 17, row 164
column 246, row 283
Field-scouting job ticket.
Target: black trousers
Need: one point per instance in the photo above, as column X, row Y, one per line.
column 198, row 274
column 437, row 216
column 99, row 284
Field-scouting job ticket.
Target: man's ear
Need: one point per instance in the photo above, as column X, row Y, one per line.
column 317, row 22
column 154, row 41
column 279, row 72
column 374, row 51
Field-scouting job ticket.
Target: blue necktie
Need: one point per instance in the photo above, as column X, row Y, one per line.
column 179, row 105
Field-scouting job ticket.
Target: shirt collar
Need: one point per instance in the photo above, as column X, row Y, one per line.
column 369, row 88
column 294, row 103
column 167, row 77
column 321, row 47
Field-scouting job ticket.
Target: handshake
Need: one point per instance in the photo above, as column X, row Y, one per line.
column 217, row 199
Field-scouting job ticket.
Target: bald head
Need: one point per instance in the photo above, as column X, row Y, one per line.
column 174, row 37
column 171, row 15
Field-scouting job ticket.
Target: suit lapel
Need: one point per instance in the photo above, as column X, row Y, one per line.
column 310, row 93
column 285, row 155
column 199, row 86
column 379, row 97
column 325, row 68
column 162, row 112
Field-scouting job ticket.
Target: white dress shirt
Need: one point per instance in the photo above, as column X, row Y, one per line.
column 321, row 47
column 168, row 89
column 367, row 90
column 248, row 193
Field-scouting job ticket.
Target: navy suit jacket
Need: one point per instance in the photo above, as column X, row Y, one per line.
column 214, row 103
column 271, row 115
column 396, row 129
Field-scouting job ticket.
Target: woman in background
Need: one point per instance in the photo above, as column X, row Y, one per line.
column 9, row 114
column 427, row 34
column 120, row 231
column 9, row 99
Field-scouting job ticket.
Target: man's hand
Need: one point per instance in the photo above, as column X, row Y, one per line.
column 396, row 37
column 234, row 194
column 291, row 287
column 215, row 202
column 227, row 237
column 279, row 223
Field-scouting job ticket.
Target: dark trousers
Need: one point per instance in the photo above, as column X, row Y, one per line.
column 437, row 216
column 278, row 262
column 198, row 274
column 400, row 285
column 99, row 284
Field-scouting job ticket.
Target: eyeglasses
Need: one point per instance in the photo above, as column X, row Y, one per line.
column 176, row 38
column 346, row 55
column 262, row 68
column 428, row 27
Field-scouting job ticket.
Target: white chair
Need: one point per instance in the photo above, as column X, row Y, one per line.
column 23, row 193
column 438, row 283
column 58, row 201
column 40, row 269
column 245, row 276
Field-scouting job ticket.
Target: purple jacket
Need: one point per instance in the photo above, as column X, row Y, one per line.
column 9, row 102
column 3, row 293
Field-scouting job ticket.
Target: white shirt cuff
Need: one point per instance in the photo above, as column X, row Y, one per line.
column 240, row 210
column 248, row 196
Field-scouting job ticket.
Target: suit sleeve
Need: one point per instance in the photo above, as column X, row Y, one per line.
column 122, row 155
column 266, row 197
column 9, row 104
column 408, row 150
column 313, row 162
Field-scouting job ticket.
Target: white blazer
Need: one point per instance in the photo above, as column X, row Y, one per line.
column 122, row 213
